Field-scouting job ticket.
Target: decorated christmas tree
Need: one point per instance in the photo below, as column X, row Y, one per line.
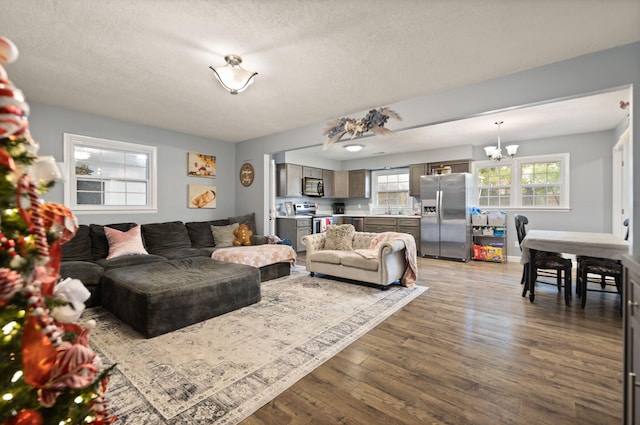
column 48, row 372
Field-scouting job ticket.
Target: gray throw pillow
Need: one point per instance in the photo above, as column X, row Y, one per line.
column 223, row 235
column 339, row 237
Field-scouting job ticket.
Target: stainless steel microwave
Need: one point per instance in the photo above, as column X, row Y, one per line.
column 312, row 186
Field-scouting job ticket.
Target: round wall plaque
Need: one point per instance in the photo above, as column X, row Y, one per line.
column 246, row 174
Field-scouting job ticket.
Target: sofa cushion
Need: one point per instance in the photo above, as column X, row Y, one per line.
column 223, row 235
column 129, row 260
column 99, row 243
column 79, row 247
column 124, row 243
column 88, row 272
column 351, row 259
column 162, row 237
column 200, row 232
column 339, row 237
column 325, row 256
column 248, row 219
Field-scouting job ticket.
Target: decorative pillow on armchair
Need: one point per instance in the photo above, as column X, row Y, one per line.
column 339, row 237
column 223, row 235
column 124, row 243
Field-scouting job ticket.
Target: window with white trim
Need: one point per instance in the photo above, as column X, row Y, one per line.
column 528, row 182
column 391, row 191
column 109, row 176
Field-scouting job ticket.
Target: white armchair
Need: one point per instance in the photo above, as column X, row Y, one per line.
column 388, row 267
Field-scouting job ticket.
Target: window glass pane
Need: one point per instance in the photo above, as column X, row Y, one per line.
column 89, row 198
column 136, row 187
column 136, row 173
column 136, row 199
column 114, row 185
column 114, row 198
column 112, row 171
column 92, row 185
column 137, row 159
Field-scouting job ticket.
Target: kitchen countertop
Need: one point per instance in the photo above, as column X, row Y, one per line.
column 350, row 215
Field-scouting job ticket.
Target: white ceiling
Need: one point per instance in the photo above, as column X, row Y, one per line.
column 146, row 61
column 595, row 112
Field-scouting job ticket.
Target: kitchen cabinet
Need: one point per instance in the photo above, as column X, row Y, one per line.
column 444, row 167
column 340, row 184
column 327, row 180
column 415, row 171
column 410, row 226
column 631, row 326
column 380, row 224
column 359, row 184
column 294, row 229
column 289, row 180
column 312, row 172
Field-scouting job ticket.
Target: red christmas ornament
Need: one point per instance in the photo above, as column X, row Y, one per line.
column 25, row 417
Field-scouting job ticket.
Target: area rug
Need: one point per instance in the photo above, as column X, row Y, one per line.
column 222, row 370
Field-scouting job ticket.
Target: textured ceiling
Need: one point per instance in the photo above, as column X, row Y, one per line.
column 147, row 61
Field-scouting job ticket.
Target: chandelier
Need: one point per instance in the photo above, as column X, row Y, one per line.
column 495, row 153
column 232, row 76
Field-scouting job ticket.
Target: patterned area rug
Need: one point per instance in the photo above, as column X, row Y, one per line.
column 222, row 370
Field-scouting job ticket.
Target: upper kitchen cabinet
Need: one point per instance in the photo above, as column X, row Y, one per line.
column 448, row 167
column 312, row 172
column 327, row 181
column 359, row 184
column 415, row 171
column 289, row 180
column 340, row 184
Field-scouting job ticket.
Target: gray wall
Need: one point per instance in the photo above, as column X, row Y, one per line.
column 49, row 123
column 603, row 70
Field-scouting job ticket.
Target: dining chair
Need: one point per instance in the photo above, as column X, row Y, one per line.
column 545, row 262
column 602, row 267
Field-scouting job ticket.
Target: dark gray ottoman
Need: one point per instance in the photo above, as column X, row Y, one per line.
column 161, row 297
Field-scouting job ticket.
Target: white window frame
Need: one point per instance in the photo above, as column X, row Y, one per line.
column 516, row 179
column 374, row 189
column 71, row 141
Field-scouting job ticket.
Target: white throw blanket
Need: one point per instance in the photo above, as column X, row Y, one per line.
column 411, row 271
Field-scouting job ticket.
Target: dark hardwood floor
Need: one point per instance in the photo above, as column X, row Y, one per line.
column 470, row 350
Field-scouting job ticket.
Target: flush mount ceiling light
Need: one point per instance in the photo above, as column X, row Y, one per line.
column 232, row 76
column 354, row 148
column 495, row 153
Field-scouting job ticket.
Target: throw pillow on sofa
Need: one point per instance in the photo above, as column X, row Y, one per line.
column 339, row 237
column 223, row 235
column 124, row 243
column 200, row 232
column 99, row 243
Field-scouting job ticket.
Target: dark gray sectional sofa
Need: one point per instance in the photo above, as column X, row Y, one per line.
column 175, row 285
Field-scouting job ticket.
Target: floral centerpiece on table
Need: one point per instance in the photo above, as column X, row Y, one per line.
column 48, row 372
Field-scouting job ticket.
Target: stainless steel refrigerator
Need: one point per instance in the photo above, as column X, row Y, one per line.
column 446, row 222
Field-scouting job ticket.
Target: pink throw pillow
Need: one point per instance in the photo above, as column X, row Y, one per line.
column 124, row 243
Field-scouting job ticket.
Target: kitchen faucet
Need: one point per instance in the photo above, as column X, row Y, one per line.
column 388, row 212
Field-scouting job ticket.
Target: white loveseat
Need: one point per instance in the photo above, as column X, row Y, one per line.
column 388, row 267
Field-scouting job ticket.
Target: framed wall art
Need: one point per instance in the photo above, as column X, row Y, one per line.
column 202, row 196
column 201, row 165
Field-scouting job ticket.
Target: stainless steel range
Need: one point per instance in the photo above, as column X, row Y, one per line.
column 320, row 221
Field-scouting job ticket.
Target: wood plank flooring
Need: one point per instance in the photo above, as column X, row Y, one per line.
column 470, row 350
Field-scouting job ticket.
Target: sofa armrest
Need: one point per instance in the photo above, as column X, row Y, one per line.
column 389, row 247
column 313, row 242
column 259, row 240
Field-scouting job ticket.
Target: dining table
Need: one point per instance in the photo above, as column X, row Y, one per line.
column 592, row 244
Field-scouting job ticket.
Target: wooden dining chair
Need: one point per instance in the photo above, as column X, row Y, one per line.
column 551, row 264
column 608, row 270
